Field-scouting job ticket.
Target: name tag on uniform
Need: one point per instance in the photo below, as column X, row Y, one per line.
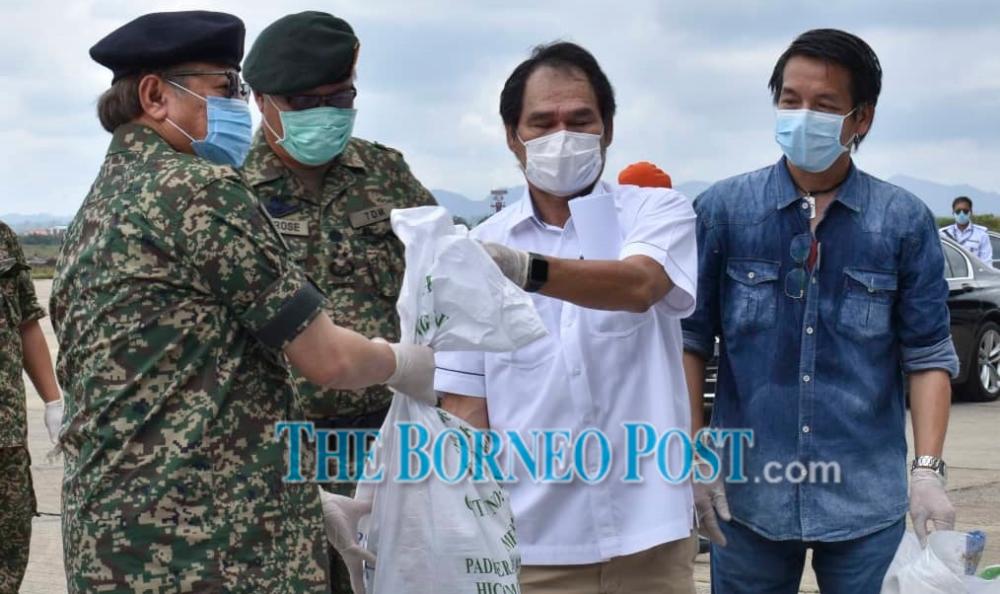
column 369, row 216
column 296, row 228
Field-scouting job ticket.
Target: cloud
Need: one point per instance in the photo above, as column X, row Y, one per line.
column 690, row 80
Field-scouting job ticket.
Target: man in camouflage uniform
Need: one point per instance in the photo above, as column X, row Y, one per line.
column 334, row 215
column 178, row 313
column 22, row 345
column 330, row 195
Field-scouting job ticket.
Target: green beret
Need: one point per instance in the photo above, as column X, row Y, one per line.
column 299, row 52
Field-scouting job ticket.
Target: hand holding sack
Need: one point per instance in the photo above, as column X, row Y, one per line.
column 454, row 537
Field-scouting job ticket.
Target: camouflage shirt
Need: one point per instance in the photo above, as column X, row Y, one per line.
column 173, row 299
column 345, row 243
column 18, row 305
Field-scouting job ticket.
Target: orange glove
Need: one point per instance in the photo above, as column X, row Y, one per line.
column 646, row 175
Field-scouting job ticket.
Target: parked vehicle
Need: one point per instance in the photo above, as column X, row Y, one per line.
column 995, row 244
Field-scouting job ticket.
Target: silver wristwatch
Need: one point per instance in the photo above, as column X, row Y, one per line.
column 932, row 462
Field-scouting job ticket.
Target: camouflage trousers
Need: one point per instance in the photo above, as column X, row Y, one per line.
column 340, row 579
column 17, row 507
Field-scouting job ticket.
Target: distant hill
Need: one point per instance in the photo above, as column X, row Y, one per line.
column 938, row 197
column 22, row 223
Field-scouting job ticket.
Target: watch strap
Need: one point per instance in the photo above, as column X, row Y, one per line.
column 538, row 272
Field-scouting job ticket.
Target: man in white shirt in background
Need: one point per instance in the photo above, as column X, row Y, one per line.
column 613, row 351
column 974, row 238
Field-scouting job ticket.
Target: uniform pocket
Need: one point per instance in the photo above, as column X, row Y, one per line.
column 751, row 299
column 615, row 323
column 866, row 305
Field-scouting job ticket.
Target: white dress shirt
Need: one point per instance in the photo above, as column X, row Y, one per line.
column 595, row 369
column 974, row 238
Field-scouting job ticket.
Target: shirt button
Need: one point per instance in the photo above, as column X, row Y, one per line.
column 805, row 205
column 814, row 281
column 576, row 371
column 805, row 429
column 751, row 275
column 809, row 329
column 806, row 378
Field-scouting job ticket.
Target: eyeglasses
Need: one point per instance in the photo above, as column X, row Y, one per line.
column 795, row 280
column 236, row 89
column 341, row 99
column 963, row 211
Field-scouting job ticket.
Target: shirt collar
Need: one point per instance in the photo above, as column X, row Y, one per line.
column 140, row 140
column 526, row 206
column 262, row 165
column 784, row 191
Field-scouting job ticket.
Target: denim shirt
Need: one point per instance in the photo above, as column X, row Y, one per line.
column 818, row 378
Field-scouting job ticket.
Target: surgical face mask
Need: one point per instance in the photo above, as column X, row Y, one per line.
column 810, row 139
column 230, row 130
column 563, row 163
column 314, row 136
column 962, row 217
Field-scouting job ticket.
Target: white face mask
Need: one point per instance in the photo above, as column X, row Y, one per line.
column 563, row 163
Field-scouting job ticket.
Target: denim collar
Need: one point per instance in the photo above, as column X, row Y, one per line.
column 785, row 193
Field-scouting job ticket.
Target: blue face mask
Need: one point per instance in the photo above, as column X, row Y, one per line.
column 962, row 218
column 230, row 130
column 810, row 139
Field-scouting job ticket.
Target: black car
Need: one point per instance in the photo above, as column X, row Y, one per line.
column 974, row 302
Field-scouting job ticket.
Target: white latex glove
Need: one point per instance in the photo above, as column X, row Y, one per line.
column 929, row 502
column 513, row 263
column 710, row 504
column 53, row 418
column 414, row 374
column 341, row 515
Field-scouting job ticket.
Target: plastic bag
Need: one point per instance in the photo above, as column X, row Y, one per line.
column 434, row 536
column 947, row 565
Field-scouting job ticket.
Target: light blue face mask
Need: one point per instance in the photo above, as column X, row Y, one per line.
column 962, row 218
column 230, row 130
column 314, row 136
column 810, row 139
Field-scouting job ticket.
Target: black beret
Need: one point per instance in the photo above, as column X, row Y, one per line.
column 164, row 39
column 300, row 52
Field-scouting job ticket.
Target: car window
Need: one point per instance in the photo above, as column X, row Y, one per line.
column 995, row 242
column 957, row 266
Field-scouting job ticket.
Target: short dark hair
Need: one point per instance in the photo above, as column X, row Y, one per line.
column 959, row 200
column 560, row 54
column 837, row 47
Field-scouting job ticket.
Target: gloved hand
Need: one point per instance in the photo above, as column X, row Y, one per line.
column 53, row 418
column 929, row 502
column 414, row 374
column 513, row 263
column 341, row 515
column 710, row 504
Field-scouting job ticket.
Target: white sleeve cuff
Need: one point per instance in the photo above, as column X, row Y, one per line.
column 456, row 381
column 680, row 301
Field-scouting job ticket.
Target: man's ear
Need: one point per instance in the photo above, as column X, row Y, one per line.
column 865, row 117
column 153, row 97
column 259, row 99
column 609, row 133
column 512, row 141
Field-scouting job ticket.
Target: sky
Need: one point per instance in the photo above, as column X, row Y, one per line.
column 690, row 79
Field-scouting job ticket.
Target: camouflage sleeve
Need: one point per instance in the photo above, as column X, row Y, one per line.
column 26, row 300
column 30, row 308
column 233, row 245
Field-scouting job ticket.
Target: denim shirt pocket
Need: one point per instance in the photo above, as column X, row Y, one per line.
column 867, row 302
column 751, row 295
